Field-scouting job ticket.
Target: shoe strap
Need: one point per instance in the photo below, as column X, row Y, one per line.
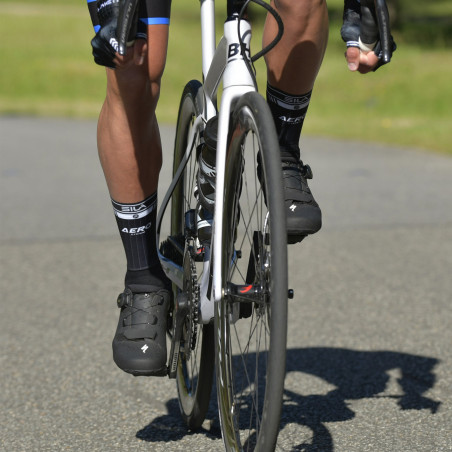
column 295, row 185
column 142, row 331
column 155, row 298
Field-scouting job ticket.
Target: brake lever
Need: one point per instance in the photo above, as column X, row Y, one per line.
column 384, row 29
column 127, row 11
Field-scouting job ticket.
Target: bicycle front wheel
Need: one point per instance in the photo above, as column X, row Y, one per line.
column 196, row 360
column 251, row 319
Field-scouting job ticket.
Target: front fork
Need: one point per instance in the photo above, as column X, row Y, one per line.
column 228, row 64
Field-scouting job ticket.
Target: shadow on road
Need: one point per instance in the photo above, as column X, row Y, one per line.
column 353, row 374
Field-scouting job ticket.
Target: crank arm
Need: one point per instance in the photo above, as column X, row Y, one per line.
column 181, row 310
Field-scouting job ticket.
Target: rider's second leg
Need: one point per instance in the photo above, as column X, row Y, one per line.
column 131, row 156
column 292, row 67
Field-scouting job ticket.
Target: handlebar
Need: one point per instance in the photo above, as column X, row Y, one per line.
column 375, row 25
column 384, row 28
column 127, row 18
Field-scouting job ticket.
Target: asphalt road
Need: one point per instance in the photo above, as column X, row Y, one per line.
column 370, row 336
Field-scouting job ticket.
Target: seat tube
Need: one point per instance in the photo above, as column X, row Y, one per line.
column 207, row 34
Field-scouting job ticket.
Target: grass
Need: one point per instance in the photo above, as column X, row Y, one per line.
column 49, row 71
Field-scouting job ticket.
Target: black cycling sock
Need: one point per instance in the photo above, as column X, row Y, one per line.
column 146, row 280
column 137, row 227
column 288, row 112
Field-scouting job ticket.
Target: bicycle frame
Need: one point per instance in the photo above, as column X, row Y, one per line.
column 220, row 63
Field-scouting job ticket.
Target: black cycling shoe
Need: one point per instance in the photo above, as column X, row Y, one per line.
column 303, row 214
column 139, row 345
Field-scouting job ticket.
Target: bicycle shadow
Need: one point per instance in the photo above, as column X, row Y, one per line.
column 354, row 375
column 349, row 375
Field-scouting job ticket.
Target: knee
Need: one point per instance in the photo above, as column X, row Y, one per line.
column 301, row 9
column 303, row 19
column 132, row 86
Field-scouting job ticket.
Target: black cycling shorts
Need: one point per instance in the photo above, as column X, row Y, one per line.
column 151, row 12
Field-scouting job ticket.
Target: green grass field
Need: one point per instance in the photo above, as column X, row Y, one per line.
column 47, row 69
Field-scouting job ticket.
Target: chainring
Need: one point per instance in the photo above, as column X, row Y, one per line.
column 191, row 288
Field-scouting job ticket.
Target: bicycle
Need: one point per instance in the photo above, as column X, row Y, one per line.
column 230, row 294
column 247, row 262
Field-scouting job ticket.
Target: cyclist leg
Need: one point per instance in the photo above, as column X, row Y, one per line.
column 128, row 135
column 292, row 67
column 131, row 157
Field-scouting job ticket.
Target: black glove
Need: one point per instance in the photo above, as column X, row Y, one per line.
column 105, row 43
column 362, row 29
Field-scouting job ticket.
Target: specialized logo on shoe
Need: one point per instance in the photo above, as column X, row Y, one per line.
column 293, row 207
column 144, row 348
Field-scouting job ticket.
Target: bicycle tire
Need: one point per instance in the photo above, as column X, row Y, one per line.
column 250, row 380
column 194, row 374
